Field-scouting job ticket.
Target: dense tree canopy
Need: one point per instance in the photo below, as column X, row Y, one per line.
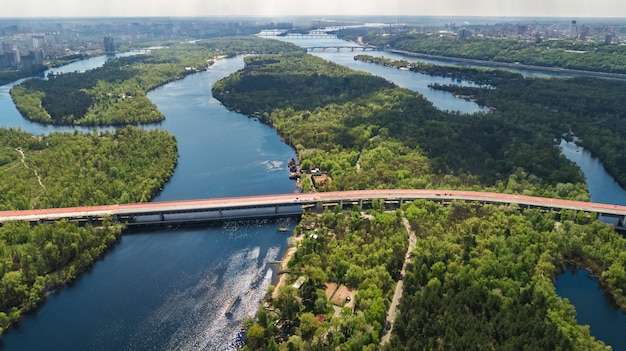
column 569, row 54
column 115, row 94
column 374, row 135
column 36, row 260
column 62, row 170
column 481, row 276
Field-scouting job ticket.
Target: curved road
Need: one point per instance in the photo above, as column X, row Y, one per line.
column 305, row 200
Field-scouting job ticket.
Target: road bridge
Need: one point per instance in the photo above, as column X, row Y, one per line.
column 341, row 47
column 310, row 35
column 290, row 204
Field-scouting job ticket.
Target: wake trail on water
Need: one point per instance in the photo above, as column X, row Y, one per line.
column 195, row 318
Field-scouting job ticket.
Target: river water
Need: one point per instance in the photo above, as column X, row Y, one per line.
column 169, row 288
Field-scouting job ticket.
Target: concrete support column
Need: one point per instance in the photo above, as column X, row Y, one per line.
column 162, row 217
column 620, row 221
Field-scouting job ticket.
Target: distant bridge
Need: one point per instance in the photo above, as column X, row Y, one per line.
column 342, row 47
column 284, row 205
column 310, row 35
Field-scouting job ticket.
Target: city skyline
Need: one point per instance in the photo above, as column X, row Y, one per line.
column 277, row 8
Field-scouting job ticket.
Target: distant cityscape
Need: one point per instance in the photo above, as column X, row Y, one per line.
column 28, row 43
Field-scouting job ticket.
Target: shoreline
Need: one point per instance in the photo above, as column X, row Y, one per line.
column 282, row 278
column 498, row 64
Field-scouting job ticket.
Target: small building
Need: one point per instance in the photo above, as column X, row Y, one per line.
column 321, row 179
column 299, row 282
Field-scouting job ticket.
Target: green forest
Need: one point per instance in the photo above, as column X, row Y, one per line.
column 568, row 54
column 376, row 135
column 352, row 251
column 481, row 278
column 115, row 94
column 475, row 267
column 586, row 109
column 8, row 76
column 74, row 169
column 62, row 170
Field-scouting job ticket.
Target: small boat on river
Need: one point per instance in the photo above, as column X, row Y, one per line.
column 232, row 306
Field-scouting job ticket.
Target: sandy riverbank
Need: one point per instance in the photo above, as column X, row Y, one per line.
column 291, row 250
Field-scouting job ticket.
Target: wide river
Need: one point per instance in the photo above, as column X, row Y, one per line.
column 169, row 288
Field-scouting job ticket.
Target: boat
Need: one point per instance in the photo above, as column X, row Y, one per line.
column 283, row 229
column 232, row 306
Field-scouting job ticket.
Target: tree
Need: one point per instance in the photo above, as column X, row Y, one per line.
column 256, row 337
column 308, row 325
column 287, row 302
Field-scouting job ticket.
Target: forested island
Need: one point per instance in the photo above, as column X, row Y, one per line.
column 590, row 108
column 115, row 94
column 564, row 54
column 63, row 170
column 481, row 275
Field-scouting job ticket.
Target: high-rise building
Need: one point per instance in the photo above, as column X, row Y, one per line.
column 573, row 30
column 109, row 45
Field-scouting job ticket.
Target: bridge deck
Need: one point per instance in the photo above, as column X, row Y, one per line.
column 303, row 200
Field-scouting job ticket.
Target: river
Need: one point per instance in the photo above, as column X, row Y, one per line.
column 168, row 288
column 606, row 321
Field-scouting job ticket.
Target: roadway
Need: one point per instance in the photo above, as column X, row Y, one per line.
column 305, row 200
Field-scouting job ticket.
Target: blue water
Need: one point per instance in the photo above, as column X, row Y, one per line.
column 607, row 322
column 168, row 289
column 411, row 80
column 602, row 186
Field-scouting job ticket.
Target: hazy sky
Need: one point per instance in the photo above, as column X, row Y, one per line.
column 195, row 8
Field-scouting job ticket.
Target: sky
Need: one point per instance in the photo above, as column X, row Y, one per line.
column 277, row 8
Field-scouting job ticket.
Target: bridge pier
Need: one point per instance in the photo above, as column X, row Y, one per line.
column 162, row 217
column 319, row 206
column 620, row 221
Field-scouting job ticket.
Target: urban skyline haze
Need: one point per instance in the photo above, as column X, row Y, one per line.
column 276, row 8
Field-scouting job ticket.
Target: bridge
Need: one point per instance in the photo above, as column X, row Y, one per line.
column 283, row 205
column 340, row 47
column 286, row 35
